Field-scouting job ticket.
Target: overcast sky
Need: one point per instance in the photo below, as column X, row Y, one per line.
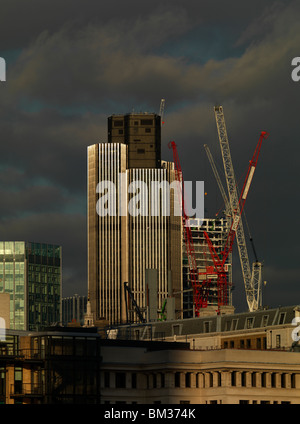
column 72, row 63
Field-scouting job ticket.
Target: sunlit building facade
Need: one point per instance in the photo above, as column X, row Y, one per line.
column 32, row 275
column 123, row 246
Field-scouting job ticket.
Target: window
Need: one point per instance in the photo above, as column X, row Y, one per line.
column 106, row 379
column 133, row 380
column 244, row 402
column 146, row 121
column 162, row 379
column 176, row 330
column 264, row 343
column 219, row 379
column 234, row 324
column 177, row 379
column 258, row 343
column 206, row 327
column 277, row 341
column 227, row 325
column 249, row 322
column 148, row 130
column 281, row 318
column 273, row 379
column 154, row 381
column 18, row 379
column 243, row 379
column 248, row 341
column 264, row 379
column 140, row 151
column 188, row 379
column 264, row 321
column 121, row 131
column 2, row 381
column 118, row 123
column 233, row 378
column 120, row 380
column 253, row 379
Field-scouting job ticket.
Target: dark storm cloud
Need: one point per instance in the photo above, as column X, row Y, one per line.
column 119, row 61
column 33, row 199
column 51, row 146
column 22, row 22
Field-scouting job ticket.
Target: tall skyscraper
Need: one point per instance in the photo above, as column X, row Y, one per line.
column 31, row 274
column 139, row 231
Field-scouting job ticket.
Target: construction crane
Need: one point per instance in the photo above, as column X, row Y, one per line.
column 137, row 309
column 252, row 281
column 161, row 110
column 227, row 208
column 200, row 289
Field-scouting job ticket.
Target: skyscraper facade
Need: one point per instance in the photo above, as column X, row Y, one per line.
column 138, row 229
column 31, row 274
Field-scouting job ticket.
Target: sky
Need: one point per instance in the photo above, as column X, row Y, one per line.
column 71, row 64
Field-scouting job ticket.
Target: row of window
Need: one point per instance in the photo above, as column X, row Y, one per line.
column 257, row 343
column 147, row 130
column 209, row 379
column 232, row 324
column 120, row 122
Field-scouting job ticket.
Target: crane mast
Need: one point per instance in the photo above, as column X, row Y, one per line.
column 227, row 211
column 252, row 280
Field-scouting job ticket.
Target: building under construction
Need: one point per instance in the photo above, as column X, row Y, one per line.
column 217, row 230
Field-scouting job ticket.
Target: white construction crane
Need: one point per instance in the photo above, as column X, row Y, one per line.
column 252, row 280
column 161, row 110
column 227, row 208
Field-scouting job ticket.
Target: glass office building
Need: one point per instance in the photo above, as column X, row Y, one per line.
column 31, row 274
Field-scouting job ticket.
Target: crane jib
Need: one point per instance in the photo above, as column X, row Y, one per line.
column 247, row 186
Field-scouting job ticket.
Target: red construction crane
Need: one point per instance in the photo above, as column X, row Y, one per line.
column 200, row 289
column 219, row 263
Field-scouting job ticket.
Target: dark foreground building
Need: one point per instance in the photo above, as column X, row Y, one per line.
column 59, row 366
column 231, row 359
